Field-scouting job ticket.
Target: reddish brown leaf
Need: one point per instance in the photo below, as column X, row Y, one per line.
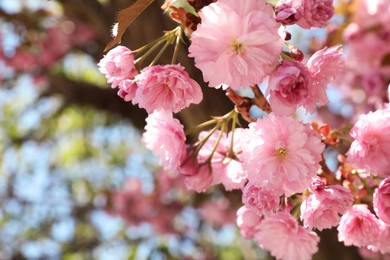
column 125, row 17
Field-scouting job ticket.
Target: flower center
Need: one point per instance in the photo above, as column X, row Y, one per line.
column 281, row 153
column 237, row 47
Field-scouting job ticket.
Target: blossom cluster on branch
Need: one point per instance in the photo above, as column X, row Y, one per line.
column 279, row 163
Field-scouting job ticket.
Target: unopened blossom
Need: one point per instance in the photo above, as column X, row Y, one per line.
column 281, row 154
column 118, row 65
column 164, row 135
column 260, row 199
column 359, row 227
column 290, row 86
column 167, row 87
column 382, row 201
column 226, row 167
column 371, row 148
column 323, row 207
column 324, row 66
column 248, row 222
column 237, row 43
column 281, row 235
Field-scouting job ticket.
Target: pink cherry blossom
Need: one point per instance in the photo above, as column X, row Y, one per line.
column 167, row 87
column 324, row 66
column 248, row 221
column 322, row 209
column 315, row 13
column 281, row 154
column 118, row 65
column 281, row 235
column 290, row 86
column 286, row 11
column 127, row 89
column 235, row 37
column 260, row 199
column 200, row 179
column 382, row 244
column 306, row 13
column 371, row 148
column 382, row 201
column 164, row 135
column 226, row 168
column 359, row 227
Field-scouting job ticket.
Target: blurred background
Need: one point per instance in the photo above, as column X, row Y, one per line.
column 75, row 180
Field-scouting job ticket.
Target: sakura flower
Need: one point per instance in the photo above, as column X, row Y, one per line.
column 118, row 65
column 314, row 13
column 382, row 201
column 164, row 135
column 384, row 239
column 260, row 199
column 167, row 87
column 382, row 244
column 306, row 13
column 285, row 239
column 322, row 208
column 127, row 89
column 248, row 221
column 286, row 11
column 281, row 154
column 371, row 148
column 237, row 43
column 359, row 227
column 200, row 179
column 226, row 168
column 290, row 86
column 324, row 66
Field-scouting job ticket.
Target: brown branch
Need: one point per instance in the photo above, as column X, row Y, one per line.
column 260, row 100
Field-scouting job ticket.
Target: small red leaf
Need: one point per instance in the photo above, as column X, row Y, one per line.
column 125, row 17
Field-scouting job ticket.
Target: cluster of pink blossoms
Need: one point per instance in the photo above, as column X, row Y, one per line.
column 278, row 161
column 166, row 87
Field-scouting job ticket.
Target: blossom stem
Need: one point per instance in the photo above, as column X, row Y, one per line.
column 177, row 45
column 223, row 129
column 149, row 45
column 200, row 144
column 234, row 123
column 150, row 51
column 200, row 126
column 160, row 53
